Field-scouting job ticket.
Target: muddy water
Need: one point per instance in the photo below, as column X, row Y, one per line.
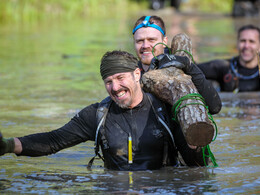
column 49, row 71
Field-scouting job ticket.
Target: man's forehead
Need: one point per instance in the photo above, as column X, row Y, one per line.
column 117, row 75
column 249, row 34
column 145, row 32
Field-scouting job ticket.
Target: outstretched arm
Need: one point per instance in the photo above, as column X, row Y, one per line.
column 81, row 128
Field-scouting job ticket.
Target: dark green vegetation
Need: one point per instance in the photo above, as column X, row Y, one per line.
column 34, row 10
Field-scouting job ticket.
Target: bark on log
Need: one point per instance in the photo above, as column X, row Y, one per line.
column 169, row 85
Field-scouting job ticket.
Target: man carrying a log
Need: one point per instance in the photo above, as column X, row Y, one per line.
column 240, row 73
column 148, row 33
column 132, row 127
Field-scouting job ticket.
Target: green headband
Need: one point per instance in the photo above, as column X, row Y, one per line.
column 116, row 64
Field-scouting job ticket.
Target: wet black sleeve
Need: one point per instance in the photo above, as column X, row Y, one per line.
column 205, row 88
column 80, row 128
column 215, row 69
column 191, row 157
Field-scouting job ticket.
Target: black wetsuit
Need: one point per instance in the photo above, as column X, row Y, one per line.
column 231, row 75
column 147, row 135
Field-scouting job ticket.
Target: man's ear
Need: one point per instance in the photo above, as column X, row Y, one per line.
column 137, row 74
column 165, row 40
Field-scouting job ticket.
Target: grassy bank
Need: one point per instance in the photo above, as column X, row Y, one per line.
column 34, row 10
column 208, row 6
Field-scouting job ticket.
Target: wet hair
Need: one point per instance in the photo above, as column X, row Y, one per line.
column 248, row 27
column 153, row 20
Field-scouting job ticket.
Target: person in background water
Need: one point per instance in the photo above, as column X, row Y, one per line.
column 131, row 135
column 240, row 73
column 149, row 31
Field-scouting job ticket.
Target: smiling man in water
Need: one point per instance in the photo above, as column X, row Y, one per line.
column 240, row 73
column 122, row 87
column 150, row 40
column 131, row 126
column 149, row 31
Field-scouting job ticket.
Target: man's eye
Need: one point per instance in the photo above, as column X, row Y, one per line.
column 108, row 82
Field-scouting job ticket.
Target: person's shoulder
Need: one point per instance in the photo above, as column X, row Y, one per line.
column 107, row 100
column 216, row 62
column 92, row 108
column 87, row 111
column 96, row 105
column 155, row 100
column 150, row 96
column 221, row 61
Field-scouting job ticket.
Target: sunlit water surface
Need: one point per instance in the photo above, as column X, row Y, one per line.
column 50, row 70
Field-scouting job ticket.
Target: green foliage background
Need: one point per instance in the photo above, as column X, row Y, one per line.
column 208, row 6
column 33, row 10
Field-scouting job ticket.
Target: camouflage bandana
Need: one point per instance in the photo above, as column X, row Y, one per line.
column 116, row 64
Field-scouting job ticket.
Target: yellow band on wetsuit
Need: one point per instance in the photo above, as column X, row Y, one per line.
column 130, row 155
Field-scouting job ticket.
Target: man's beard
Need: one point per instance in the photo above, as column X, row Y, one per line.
column 124, row 105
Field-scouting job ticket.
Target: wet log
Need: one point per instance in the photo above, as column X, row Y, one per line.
column 170, row 84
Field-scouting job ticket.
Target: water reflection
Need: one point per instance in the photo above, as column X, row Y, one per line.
column 168, row 180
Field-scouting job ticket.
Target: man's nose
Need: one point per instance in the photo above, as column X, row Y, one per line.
column 115, row 86
column 247, row 44
column 146, row 44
